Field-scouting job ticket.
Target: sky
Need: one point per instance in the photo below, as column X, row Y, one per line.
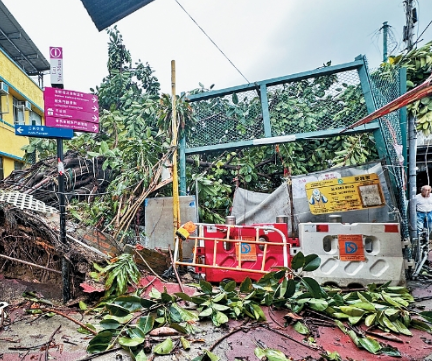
column 264, row 39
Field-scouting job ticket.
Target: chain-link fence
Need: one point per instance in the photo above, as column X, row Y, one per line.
column 316, row 103
column 385, row 85
column 225, row 119
column 327, row 98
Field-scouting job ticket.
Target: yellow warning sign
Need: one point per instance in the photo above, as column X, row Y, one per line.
column 248, row 250
column 345, row 194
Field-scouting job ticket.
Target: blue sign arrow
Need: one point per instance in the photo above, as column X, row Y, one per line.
column 350, row 247
column 41, row 131
column 245, row 248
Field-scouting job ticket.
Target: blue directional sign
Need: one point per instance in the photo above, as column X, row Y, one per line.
column 41, row 131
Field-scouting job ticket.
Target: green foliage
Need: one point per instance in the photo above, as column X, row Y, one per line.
column 118, row 274
column 418, row 63
column 384, row 307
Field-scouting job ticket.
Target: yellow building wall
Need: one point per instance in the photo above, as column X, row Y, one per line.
column 23, row 88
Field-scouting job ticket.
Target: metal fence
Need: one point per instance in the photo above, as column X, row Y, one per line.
column 311, row 104
column 302, row 105
column 385, row 86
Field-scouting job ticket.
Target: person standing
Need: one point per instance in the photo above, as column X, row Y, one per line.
column 424, row 209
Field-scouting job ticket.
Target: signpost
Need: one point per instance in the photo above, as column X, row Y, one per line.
column 65, row 111
column 40, row 131
column 71, row 110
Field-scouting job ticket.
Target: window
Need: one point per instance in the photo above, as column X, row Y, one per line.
column 1, row 169
column 35, row 119
column 18, row 165
column 18, row 111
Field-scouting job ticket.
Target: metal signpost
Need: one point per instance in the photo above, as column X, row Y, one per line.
column 64, row 112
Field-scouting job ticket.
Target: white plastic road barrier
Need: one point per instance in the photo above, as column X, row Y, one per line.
column 354, row 254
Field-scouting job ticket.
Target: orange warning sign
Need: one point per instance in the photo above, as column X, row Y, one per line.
column 351, row 247
column 248, row 250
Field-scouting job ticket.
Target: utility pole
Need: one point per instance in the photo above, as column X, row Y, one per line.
column 385, row 36
column 411, row 18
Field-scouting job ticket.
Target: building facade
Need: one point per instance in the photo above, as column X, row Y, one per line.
column 22, row 67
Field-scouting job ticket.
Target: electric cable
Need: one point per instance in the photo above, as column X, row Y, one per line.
column 212, row 42
column 418, row 38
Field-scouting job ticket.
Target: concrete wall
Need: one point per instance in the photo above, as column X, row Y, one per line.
column 23, row 88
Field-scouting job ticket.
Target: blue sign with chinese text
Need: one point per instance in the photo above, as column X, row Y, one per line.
column 41, row 131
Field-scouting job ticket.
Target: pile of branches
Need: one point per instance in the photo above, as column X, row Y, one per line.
column 30, row 248
column 84, row 179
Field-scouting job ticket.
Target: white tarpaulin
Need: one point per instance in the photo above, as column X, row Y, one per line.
column 253, row 207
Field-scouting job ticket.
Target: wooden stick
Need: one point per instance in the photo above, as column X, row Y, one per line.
column 175, row 270
column 48, row 343
column 148, row 266
column 289, row 337
column 29, row 263
column 72, row 319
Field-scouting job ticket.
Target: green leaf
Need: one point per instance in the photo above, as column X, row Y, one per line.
column 130, row 303
column 185, row 343
column 100, row 342
column 318, row 304
column 85, row 331
column 206, row 356
column 258, row 312
column 122, row 320
column 219, row 318
column 82, row 306
column 179, row 328
column 110, row 324
column 219, row 307
column 301, row 328
column 185, row 315
column 390, row 351
column 313, row 287
column 246, row 285
column 145, row 324
column 166, row 297
column 353, row 337
column 427, row 315
column 298, row 261
column 154, row 293
column 420, row 325
column 117, row 310
column 291, row 287
column 130, row 342
column 164, row 348
column 184, row 296
column 230, row 286
column 206, row 287
column 370, row 344
column 270, row 354
column 206, row 313
column 140, row 355
column 311, row 263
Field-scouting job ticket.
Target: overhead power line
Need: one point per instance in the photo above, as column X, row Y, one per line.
column 213, row 42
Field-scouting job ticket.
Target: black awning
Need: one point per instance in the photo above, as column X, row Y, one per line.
column 106, row 12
